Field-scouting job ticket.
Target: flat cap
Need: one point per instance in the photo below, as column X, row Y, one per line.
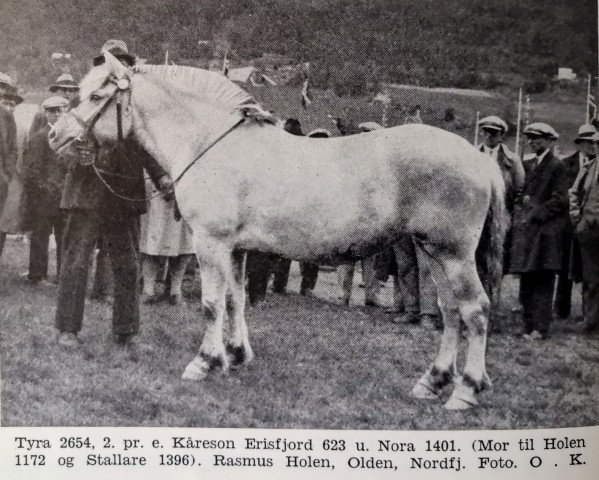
column 540, row 129
column 493, row 122
column 55, row 102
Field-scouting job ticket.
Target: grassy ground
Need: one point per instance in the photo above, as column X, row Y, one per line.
column 318, row 365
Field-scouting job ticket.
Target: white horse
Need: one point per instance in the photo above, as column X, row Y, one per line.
column 242, row 183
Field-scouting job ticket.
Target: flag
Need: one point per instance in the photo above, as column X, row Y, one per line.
column 306, row 100
column 591, row 107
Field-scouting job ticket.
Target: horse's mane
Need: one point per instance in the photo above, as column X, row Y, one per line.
column 214, row 86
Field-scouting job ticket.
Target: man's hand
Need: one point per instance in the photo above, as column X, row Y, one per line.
column 166, row 187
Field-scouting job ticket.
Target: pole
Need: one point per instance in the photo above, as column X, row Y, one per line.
column 587, row 115
column 166, row 57
column 476, row 128
column 519, row 122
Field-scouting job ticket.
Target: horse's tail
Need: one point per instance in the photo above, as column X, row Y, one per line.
column 490, row 253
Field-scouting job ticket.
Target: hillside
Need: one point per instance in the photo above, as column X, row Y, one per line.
column 449, row 43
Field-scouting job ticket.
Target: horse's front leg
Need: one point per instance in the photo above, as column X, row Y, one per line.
column 238, row 347
column 215, row 269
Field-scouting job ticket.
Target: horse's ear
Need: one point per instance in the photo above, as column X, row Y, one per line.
column 117, row 68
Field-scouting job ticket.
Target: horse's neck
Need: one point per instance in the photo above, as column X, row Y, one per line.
column 176, row 136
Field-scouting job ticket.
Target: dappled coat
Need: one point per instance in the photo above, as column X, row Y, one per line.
column 117, row 187
column 539, row 217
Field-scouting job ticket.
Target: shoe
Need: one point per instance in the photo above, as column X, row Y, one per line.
column 394, row 310
column 176, row 300
column 430, row 321
column 307, row 292
column 534, row 336
column 68, row 340
column 132, row 342
column 407, row 318
column 150, row 299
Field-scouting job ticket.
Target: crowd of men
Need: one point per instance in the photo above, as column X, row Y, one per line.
column 553, row 240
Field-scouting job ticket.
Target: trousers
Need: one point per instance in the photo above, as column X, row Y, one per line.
column 120, row 239
column 563, row 295
column 38, row 246
column 372, row 285
column 415, row 283
column 536, row 295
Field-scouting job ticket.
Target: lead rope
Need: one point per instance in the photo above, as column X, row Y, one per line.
column 99, row 172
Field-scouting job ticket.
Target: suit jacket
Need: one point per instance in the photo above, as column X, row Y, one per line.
column 512, row 172
column 584, row 201
column 539, row 217
column 117, row 189
column 44, row 176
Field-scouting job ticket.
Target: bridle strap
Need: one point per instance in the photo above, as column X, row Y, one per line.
column 119, row 121
column 203, row 152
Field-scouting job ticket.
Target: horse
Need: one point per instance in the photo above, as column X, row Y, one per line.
column 242, row 183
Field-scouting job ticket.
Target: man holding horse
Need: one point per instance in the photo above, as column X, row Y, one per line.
column 538, row 222
column 104, row 193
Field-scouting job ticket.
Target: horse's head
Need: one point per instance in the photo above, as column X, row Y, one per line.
column 103, row 113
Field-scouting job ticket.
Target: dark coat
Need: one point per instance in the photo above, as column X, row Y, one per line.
column 512, row 173
column 8, row 152
column 121, row 168
column 572, row 167
column 539, row 217
column 585, row 248
column 8, row 145
column 44, row 175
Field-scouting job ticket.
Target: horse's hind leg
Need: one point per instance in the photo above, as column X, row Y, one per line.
column 473, row 305
column 443, row 369
column 238, row 347
column 215, row 268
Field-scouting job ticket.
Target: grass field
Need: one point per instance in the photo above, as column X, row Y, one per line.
column 318, row 365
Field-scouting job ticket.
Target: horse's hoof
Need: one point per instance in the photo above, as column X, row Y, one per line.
column 461, row 401
column 423, row 392
column 195, row 370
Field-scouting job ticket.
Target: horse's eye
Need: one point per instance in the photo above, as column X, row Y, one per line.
column 94, row 97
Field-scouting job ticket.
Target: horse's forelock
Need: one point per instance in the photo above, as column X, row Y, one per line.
column 94, row 80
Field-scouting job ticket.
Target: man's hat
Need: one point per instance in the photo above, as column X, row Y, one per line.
column 64, row 82
column 493, row 123
column 369, row 126
column 7, row 84
column 55, row 102
column 540, row 129
column 12, row 95
column 585, row 132
column 319, row 133
column 119, row 49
